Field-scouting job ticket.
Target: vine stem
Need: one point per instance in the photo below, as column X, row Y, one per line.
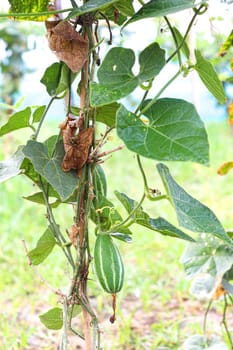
column 114, row 228
column 159, row 93
column 224, row 321
column 175, row 40
column 205, row 316
column 54, row 226
column 34, row 14
column 197, row 12
column 43, row 117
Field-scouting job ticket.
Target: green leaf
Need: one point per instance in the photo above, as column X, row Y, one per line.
column 49, row 167
column 203, row 286
column 104, row 114
column 151, row 60
column 43, row 248
column 122, row 237
column 116, row 79
column 125, row 7
column 90, row 6
column 105, row 214
column 57, row 78
column 191, row 213
column 209, row 77
column 29, row 6
column 11, row 167
column 115, row 75
column 107, row 114
column 180, row 39
column 142, row 218
column 159, row 8
column 38, row 113
column 52, row 319
column 208, row 255
column 174, row 132
column 39, row 199
column 18, row 120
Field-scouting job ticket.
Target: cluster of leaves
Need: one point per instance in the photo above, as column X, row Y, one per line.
column 162, row 129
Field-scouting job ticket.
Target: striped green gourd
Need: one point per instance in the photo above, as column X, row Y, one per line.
column 108, row 264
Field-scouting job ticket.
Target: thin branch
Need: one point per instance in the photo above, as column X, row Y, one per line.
column 43, row 118
column 224, row 321
column 175, row 40
column 205, row 316
column 36, row 271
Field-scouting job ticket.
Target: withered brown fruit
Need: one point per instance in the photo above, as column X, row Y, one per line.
column 68, row 45
column 76, row 147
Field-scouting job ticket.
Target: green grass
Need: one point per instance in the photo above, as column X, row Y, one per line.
column 153, row 310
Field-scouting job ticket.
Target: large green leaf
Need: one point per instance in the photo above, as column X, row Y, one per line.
column 18, row 120
column 191, row 213
column 209, row 77
column 49, row 167
column 159, row 8
column 29, row 6
column 52, row 319
column 142, row 218
column 11, row 167
column 208, row 255
column 174, row 131
column 90, row 6
column 43, row 248
column 116, row 79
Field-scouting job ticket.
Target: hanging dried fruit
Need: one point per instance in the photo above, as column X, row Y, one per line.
column 68, row 45
column 76, row 146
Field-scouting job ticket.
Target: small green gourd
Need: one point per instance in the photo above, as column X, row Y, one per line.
column 108, row 264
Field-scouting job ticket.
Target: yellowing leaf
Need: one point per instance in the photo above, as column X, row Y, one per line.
column 225, row 168
column 226, row 45
column 230, row 113
column 29, row 6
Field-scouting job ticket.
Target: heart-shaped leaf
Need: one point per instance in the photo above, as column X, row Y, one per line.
column 49, row 167
column 116, row 79
column 173, row 131
column 191, row 213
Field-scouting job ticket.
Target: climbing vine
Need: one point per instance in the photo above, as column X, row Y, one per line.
column 68, row 167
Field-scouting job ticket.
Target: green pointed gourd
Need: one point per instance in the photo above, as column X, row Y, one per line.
column 108, row 264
